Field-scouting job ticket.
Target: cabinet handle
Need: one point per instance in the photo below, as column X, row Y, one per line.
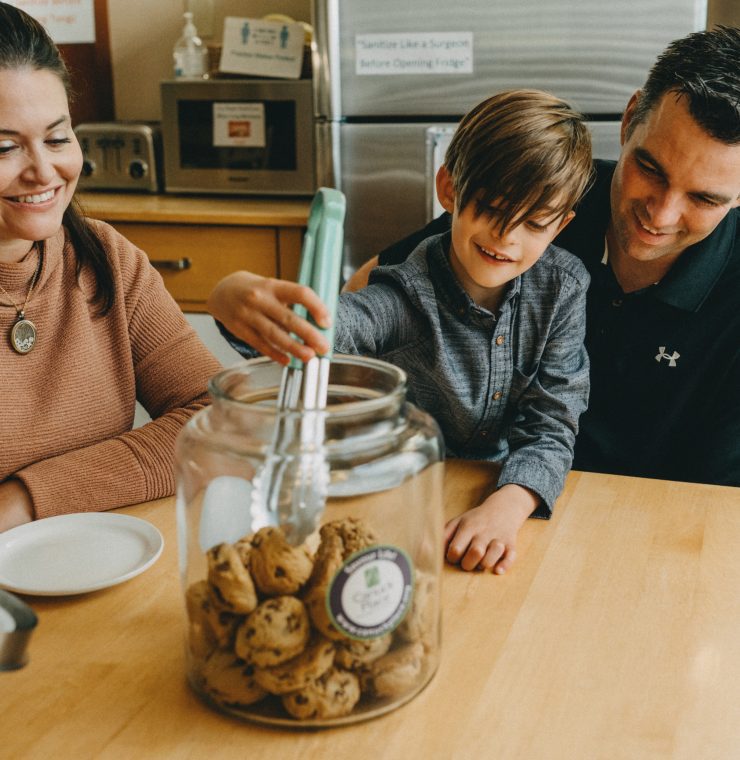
column 172, row 265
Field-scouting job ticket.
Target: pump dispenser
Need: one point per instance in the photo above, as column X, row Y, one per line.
column 190, row 54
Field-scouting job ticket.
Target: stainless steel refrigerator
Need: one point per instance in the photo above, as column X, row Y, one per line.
column 392, row 78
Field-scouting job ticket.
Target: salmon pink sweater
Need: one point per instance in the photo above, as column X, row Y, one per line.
column 67, row 407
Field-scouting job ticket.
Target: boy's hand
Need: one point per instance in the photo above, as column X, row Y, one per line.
column 484, row 538
column 258, row 311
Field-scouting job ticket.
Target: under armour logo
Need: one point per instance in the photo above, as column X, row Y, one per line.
column 671, row 357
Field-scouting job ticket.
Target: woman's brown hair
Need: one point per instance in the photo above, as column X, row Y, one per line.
column 24, row 44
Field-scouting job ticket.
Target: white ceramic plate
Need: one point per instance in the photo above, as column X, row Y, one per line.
column 77, row 553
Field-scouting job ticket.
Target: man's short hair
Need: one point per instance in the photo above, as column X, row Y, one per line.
column 703, row 68
column 524, row 149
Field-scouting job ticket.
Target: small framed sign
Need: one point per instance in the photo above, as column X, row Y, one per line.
column 262, row 48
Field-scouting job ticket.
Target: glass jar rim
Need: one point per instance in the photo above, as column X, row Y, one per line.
column 396, row 387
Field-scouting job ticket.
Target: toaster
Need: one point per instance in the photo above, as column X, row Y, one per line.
column 121, row 156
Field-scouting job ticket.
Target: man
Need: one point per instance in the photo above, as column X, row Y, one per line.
column 660, row 235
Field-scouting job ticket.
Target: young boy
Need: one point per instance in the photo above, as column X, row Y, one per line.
column 487, row 320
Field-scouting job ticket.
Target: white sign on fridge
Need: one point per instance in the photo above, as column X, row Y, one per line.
column 66, row 21
column 414, row 53
column 239, row 125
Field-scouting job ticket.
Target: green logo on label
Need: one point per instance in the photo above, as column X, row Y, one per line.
column 372, row 576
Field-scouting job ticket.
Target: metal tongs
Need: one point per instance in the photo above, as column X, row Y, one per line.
column 295, row 478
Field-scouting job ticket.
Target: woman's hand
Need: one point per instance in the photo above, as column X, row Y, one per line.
column 258, row 311
column 16, row 506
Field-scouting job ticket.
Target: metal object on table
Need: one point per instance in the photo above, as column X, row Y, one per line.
column 293, row 485
column 17, row 621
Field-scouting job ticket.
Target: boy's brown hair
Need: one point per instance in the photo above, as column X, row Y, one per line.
column 523, row 149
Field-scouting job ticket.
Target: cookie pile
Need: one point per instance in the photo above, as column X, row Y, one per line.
column 259, row 626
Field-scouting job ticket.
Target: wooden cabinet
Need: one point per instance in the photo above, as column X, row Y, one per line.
column 194, row 242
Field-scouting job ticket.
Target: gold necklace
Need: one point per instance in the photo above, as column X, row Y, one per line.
column 23, row 332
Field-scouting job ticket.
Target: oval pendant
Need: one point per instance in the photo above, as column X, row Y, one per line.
column 23, row 336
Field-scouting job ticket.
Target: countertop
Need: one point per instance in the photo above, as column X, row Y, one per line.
column 195, row 209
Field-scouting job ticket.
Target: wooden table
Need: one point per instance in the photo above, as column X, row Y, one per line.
column 616, row 635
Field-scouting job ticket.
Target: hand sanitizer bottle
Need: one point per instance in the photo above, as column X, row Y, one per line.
column 190, row 54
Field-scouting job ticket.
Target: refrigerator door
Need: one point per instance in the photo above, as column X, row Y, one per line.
column 384, row 177
column 425, row 58
column 605, row 142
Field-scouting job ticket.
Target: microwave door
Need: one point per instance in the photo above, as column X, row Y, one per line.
column 240, row 137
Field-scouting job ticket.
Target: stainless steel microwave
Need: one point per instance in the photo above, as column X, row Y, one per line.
column 239, row 136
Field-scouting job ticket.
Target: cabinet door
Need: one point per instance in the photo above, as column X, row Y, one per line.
column 290, row 244
column 193, row 258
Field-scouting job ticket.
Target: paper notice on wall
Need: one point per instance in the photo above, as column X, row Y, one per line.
column 262, row 48
column 414, row 53
column 66, row 21
column 239, row 125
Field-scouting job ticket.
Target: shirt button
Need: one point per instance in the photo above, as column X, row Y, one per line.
column 500, row 340
column 497, row 395
column 617, row 302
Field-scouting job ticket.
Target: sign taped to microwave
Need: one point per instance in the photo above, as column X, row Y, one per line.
column 239, row 125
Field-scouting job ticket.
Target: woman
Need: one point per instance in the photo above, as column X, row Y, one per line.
column 86, row 325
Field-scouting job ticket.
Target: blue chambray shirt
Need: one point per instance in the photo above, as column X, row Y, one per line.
column 506, row 387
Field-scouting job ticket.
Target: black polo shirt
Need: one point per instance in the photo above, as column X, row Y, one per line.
column 665, row 361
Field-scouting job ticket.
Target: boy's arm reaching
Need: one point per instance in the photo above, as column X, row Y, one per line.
column 258, row 311
column 256, row 316
column 542, row 438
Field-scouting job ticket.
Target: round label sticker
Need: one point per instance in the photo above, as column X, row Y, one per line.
column 369, row 596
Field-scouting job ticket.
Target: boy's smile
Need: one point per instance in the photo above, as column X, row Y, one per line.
column 495, row 255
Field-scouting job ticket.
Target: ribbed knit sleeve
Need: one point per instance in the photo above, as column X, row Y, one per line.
column 144, row 348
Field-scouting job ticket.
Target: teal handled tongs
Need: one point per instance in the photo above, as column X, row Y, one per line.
column 295, row 479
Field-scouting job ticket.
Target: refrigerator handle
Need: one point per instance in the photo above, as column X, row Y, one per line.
column 325, row 59
column 437, row 140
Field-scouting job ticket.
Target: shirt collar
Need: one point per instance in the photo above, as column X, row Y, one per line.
column 691, row 279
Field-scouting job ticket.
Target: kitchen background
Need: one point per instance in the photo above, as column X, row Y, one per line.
column 142, row 34
column 134, row 53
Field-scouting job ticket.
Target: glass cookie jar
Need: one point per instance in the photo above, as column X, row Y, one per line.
column 327, row 617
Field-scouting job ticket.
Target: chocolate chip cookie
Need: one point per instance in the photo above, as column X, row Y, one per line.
column 230, row 579
column 332, row 696
column 276, row 631
column 230, row 680
column 395, row 673
column 300, row 671
column 278, row 568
